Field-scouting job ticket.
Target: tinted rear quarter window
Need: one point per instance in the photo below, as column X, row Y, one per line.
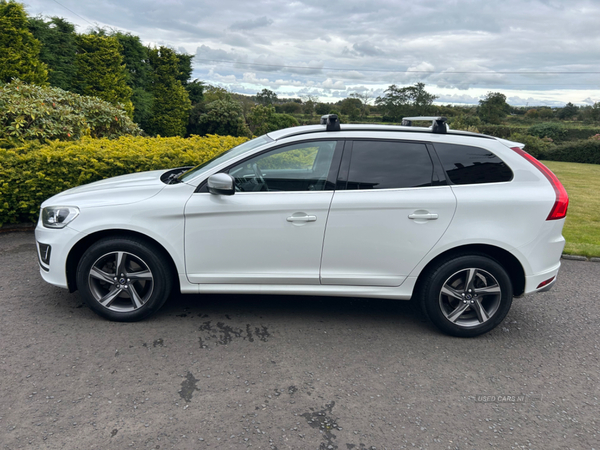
column 389, row 165
column 472, row 165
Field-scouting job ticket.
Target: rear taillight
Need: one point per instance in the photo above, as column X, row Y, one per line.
column 559, row 210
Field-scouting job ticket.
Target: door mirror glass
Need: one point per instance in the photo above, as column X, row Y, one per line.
column 221, row 184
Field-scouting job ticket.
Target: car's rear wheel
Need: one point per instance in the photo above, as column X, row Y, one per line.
column 124, row 279
column 467, row 295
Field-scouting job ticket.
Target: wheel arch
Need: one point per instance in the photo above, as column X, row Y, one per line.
column 507, row 260
column 79, row 248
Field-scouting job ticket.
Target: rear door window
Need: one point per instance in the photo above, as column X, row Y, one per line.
column 472, row 165
column 389, row 165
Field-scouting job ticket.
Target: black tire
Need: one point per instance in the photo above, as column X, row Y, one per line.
column 136, row 291
column 458, row 311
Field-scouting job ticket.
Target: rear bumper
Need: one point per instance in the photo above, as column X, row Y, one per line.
column 533, row 281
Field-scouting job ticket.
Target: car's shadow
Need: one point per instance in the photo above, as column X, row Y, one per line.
column 292, row 307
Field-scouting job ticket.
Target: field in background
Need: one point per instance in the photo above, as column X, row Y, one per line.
column 582, row 227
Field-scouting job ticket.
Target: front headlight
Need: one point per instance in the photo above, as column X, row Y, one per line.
column 58, row 216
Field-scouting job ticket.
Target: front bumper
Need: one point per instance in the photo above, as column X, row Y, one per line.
column 53, row 263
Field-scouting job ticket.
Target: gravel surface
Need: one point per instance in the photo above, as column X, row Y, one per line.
column 237, row 372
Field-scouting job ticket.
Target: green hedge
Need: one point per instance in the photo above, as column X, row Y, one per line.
column 582, row 151
column 550, row 129
column 31, row 174
column 501, row 131
column 573, row 134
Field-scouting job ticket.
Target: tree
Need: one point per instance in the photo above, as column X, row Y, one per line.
column 259, row 118
column 185, row 67
column 212, row 93
column 364, row 97
column 493, row 108
column 195, row 91
column 58, row 49
column 568, row 112
column 171, row 105
column 289, row 108
column 263, row 119
column 309, row 103
column 139, row 75
column 322, row 108
column 223, row 117
column 592, row 112
column 266, row 97
column 19, row 50
column 399, row 102
column 100, row 70
column 351, row 107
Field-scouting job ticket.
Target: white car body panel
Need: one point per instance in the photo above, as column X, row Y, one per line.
column 247, row 238
column 368, row 229
column 121, row 190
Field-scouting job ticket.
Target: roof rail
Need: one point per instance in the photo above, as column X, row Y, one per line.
column 332, row 122
column 438, row 124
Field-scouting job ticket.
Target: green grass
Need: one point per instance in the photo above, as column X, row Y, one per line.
column 582, row 227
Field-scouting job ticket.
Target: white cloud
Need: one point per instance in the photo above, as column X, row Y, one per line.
column 294, row 43
column 457, row 98
column 330, row 84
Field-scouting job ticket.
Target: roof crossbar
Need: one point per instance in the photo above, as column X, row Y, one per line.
column 438, row 124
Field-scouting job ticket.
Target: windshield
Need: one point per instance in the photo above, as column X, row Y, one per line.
column 225, row 156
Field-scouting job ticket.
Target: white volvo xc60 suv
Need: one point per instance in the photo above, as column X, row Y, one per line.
column 460, row 222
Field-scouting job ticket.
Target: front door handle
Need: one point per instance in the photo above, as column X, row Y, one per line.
column 423, row 216
column 302, row 219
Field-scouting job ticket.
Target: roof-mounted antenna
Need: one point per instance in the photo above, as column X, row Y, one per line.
column 332, row 122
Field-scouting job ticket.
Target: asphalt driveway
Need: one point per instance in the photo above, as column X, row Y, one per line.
column 236, row 372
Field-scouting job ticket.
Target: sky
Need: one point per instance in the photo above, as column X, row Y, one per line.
column 536, row 52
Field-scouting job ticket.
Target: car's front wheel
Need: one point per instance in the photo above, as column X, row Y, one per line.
column 124, row 279
column 468, row 295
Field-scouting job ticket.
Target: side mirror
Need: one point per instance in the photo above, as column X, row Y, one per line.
column 221, row 184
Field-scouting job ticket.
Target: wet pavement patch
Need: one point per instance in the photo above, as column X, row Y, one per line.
column 325, row 423
column 223, row 334
column 188, row 387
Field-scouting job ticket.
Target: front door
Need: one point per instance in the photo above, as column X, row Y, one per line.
column 271, row 230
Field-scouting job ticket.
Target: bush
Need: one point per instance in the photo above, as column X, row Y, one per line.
column 583, row 151
column 29, row 112
column 535, row 146
column 466, row 123
column 31, row 174
column 281, row 121
column 501, row 131
column 554, row 131
column 224, row 117
column 264, row 119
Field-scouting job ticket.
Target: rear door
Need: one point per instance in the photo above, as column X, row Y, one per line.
column 390, row 208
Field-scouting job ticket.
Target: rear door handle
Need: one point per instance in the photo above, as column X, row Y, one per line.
column 302, row 219
column 423, row 216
